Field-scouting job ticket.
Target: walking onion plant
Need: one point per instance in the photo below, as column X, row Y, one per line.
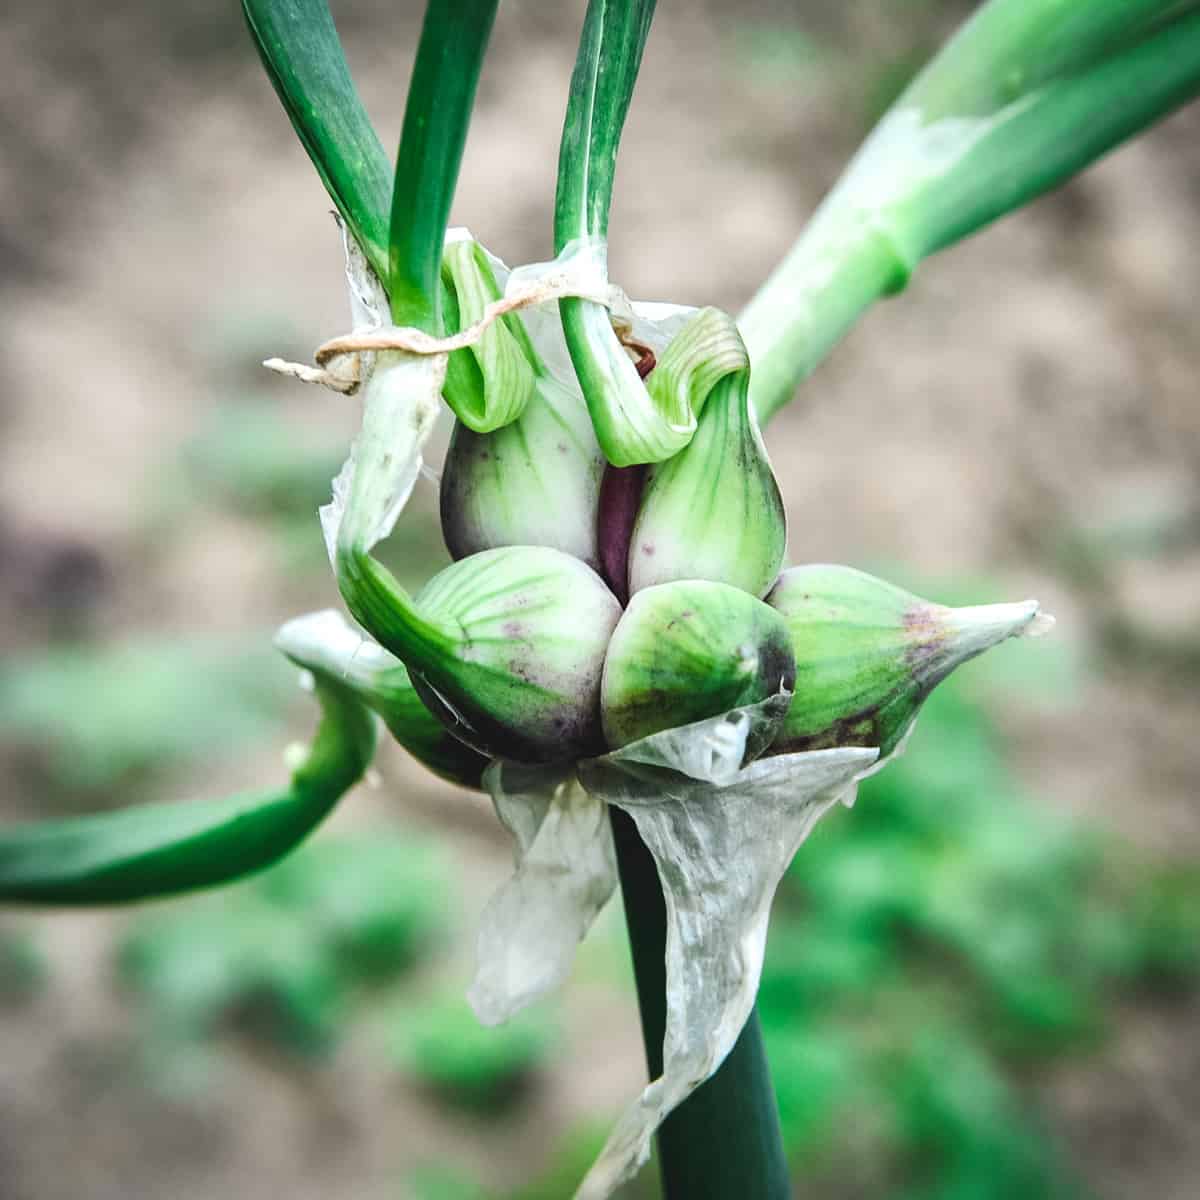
column 617, row 654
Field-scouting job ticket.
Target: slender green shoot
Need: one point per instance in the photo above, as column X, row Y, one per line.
column 440, row 97
column 629, row 427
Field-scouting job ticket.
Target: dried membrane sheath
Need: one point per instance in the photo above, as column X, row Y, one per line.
column 565, row 873
column 401, row 397
column 565, row 869
column 720, row 850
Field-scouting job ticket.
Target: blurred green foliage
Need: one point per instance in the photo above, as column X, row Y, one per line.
column 437, row 1181
column 568, row 1163
column 443, row 1046
column 825, row 47
column 24, row 970
column 101, row 715
column 944, row 934
column 249, row 459
column 250, row 456
column 283, row 954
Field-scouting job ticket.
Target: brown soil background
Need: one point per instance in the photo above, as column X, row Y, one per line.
column 155, row 211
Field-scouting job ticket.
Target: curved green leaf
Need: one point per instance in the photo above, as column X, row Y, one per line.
column 488, row 384
column 302, row 54
column 160, row 849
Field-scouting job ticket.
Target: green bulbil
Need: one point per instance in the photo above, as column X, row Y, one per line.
column 690, row 650
column 868, row 653
column 506, row 646
column 535, row 482
column 325, row 643
column 714, row 511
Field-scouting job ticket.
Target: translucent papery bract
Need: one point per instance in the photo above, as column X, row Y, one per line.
column 720, row 850
column 368, row 300
column 711, row 751
column 565, row 866
column 565, row 873
column 400, row 404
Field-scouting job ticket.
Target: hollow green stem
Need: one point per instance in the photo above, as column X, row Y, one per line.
column 1025, row 95
column 303, row 58
column 628, row 425
column 606, row 69
column 724, row 1141
column 454, row 39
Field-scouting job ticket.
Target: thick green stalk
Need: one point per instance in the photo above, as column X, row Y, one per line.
column 724, row 1141
column 440, row 97
column 1025, row 95
column 300, row 50
column 160, row 849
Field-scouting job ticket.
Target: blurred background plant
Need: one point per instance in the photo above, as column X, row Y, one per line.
column 285, row 953
column 980, row 982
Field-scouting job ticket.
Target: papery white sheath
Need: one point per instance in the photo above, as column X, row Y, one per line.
column 721, row 850
column 566, row 871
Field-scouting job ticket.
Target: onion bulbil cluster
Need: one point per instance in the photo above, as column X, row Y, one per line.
column 590, row 607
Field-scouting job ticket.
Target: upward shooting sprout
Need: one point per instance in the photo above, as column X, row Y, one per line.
column 517, row 668
column 630, row 427
column 1027, row 93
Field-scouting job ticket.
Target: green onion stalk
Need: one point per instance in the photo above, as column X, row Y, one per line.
column 618, row 609
column 1026, row 94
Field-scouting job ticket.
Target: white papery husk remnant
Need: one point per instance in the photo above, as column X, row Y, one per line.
column 566, row 871
column 721, row 833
